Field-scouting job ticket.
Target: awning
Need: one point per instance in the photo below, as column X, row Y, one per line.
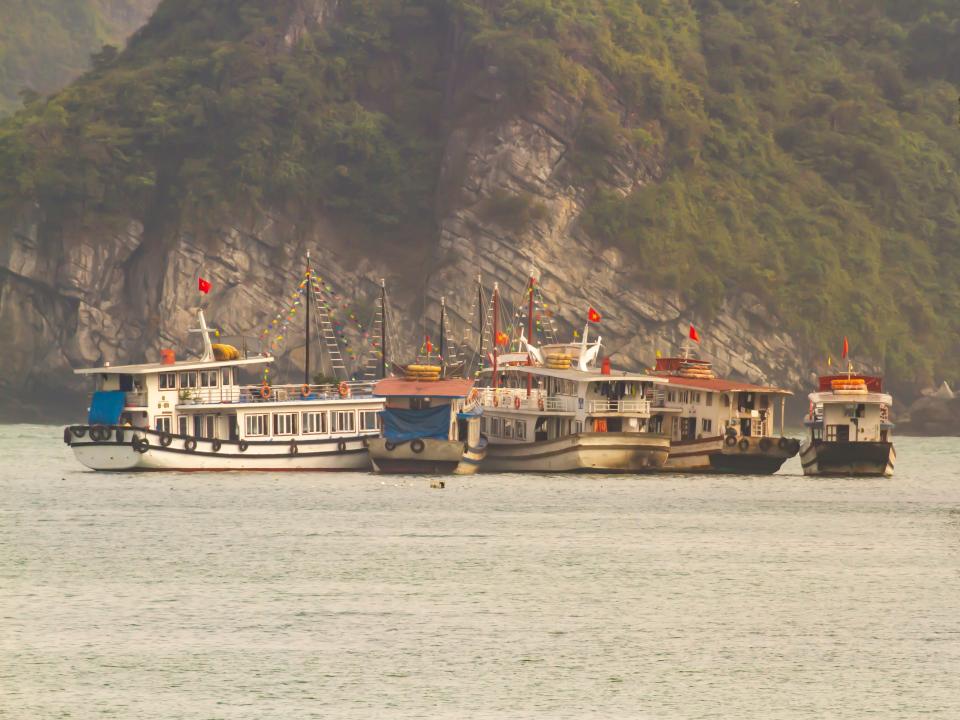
column 105, row 407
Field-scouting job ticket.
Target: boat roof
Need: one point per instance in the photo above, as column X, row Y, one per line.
column 591, row 376
column 850, row 398
column 401, row 387
column 157, row 367
column 723, row 385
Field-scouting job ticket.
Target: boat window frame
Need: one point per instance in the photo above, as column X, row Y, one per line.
column 365, row 416
column 164, row 420
column 264, row 424
column 289, row 422
column 166, row 376
column 186, row 374
column 307, row 420
column 205, row 375
column 353, row 421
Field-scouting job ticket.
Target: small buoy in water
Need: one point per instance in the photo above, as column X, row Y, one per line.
column 438, row 484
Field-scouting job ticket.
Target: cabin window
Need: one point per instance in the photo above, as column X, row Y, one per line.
column 225, row 377
column 255, row 425
column 211, row 429
column 345, row 421
column 164, row 423
column 671, row 396
column 284, row 423
column 726, row 401
column 188, row 380
column 698, row 399
column 521, row 430
column 817, row 433
column 182, row 425
column 236, row 376
column 508, row 429
column 314, row 423
column 495, row 424
column 208, row 378
column 706, row 425
column 831, row 433
column 709, row 399
column 167, row 381
column 198, row 425
column 369, row 420
column 483, row 424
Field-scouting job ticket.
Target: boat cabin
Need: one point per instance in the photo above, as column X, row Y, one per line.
column 850, row 408
column 441, row 409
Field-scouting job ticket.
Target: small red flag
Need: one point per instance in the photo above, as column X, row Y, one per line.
column 846, row 347
column 593, row 316
column 694, row 335
column 204, row 286
column 429, row 345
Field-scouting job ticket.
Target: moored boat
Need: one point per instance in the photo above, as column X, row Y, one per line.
column 718, row 425
column 849, row 428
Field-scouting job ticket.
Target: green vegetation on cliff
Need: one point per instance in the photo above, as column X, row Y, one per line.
column 46, row 43
column 808, row 151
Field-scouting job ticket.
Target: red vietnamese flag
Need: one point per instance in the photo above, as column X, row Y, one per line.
column 429, row 345
column 846, row 347
column 502, row 339
column 204, row 286
column 694, row 335
column 593, row 316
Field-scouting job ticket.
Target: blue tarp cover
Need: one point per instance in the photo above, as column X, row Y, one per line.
column 404, row 425
column 105, row 408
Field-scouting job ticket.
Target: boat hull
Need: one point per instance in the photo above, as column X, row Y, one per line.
column 583, row 452
column 119, row 453
column 745, row 456
column 435, row 457
column 857, row 459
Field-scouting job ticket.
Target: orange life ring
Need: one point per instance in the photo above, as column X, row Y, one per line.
column 305, row 390
column 496, row 401
column 516, row 402
column 265, row 391
column 540, row 404
column 343, row 389
column 472, row 397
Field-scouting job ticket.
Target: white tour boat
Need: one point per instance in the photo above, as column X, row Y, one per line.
column 718, row 425
column 849, row 427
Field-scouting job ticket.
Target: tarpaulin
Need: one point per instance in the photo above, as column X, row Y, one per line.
column 105, row 408
column 404, row 425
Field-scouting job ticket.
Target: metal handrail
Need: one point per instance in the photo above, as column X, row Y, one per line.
column 274, row 393
column 619, row 406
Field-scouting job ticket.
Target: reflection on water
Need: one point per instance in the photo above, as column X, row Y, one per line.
column 354, row 596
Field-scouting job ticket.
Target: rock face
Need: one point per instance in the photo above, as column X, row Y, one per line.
column 73, row 295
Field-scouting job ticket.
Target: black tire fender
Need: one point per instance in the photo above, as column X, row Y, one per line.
column 98, row 433
column 119, row 435
column 243, row 445
column 744, row 445
column 765, row 444
column 390, row 446
column 417, row 446
column 190, row 444
column 141, row 445
column 216, row 445
column 342, row 446
column 78, row 430
column 165, row 439
column 730, row 441
column 293, row 447
column 783, row 443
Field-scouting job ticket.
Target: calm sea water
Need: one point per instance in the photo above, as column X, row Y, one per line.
column 358, row 596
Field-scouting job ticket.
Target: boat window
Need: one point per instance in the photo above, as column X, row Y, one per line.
column 521, row 430
column 164, row 423
column 831, row 433
column 709, row 399
column 483, row 424
column 345, row 421
column 369, row 420
column 284, row 423
column 211, row 426
column 314, row 423
column 255, row 425
column 208, row 378
column 188, row 379
column 508, row 429
column 495, row 424
column 168, row 381
column 182, row 425
column 671, row 396
column 225, row 377
column 706, row 425
column 198, row 425
column 236, row 376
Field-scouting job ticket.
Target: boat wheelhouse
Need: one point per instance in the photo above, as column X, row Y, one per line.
column 849, row 428
column 199, row 415
column 718, row 425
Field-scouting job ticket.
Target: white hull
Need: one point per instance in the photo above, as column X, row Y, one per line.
column 427, row 456
column 853, row 459
column 348, row 453
column 584, row 452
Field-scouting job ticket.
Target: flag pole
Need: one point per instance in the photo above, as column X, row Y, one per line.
column 309, row 299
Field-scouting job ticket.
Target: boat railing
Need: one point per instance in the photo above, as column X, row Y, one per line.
column 274, row 393
column 518, row 399
column 135, row 399
column 638, row 407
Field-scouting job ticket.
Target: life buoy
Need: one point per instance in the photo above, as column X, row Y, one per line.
column 516, row 402
column 265, row 391
column 390, row 447
column 305, row 390
column 243, row 445
column 496, row 401
column 744, row 445
column 417, row 446
column 730, row 441
column 343, row 389
column 166, row 439
column 342, row 446
column 293, row 447
column 141, row 445
column 190, row 444
column 216, row 445
column 765, row 443
column 540, row 404
column 783, row 442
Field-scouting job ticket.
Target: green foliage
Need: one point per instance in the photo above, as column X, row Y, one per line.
column 513, row 211
column 808, row 151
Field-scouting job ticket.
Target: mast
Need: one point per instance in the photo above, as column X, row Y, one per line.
column 530, row 330
column 481, row 312
column 309, row 299
column 496, row 329
column 443, row 312
column 383, row 327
